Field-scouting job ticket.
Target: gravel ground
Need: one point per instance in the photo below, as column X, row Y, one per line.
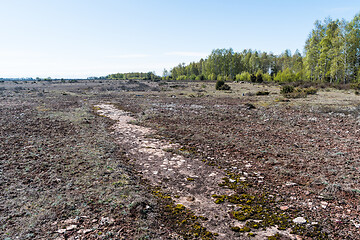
column 260, row 165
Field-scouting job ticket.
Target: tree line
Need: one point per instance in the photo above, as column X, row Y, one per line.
column 331, row 54
column 133, row 76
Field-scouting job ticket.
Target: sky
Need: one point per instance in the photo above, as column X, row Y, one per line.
column 83, row 38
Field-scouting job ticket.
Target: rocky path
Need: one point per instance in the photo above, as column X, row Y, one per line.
column 190, row 182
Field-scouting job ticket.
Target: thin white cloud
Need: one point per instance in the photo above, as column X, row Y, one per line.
column 187, row 54
column 4, row 53
column 127, row 56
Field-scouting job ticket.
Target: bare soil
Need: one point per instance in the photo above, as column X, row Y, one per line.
column 145, row 160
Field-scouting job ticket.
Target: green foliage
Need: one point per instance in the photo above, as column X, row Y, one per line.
column 200, row 77
column 310, row 91
column 332, row 54
column 253, row 78
column 267, row 77
column 243, row 77
column 229, row 78
column 182, row 77
column 286, row 76
column 287, row 89
column 292, row 92
column 259, row 77
column 355, row 86
column 220, row 78
column 192, row 77
column 212, row 76
column 221, row 85
column 133, row 76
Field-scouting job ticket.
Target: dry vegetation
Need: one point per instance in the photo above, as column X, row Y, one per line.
column 63, row 166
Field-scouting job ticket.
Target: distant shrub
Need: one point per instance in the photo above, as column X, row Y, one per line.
column 243, row 77
column 287, row 89
column 296, row 94
column 286, row 76
column 253, row 78
column 266, row 77
column 355, row 86
column 310, row 90
column 221, row 85
column 259, row 77
column 192, row 77
column 262, row 93
column 229, row 78
column 200, row 77
column 212, row 76
column 181, row 77
column 221, row 78
column 290, row 91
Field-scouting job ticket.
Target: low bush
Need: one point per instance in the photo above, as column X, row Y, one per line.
column 355, row 86
column 296, row 94
column 221, row 85
column 253, row 78
column 290, row 91
column 262, row 93
column 259, row 77
column 310, row 90
column 243, row 77
column 200, row 77
column 287, row 89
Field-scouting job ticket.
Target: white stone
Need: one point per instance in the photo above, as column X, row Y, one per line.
column 71, row 227
column 299, row 220
column 61, row 230
column 70, row 221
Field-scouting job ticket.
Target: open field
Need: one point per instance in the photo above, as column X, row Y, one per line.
column 174, row 160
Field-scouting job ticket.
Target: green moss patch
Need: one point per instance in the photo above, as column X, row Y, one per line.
column 260, row 211
column 181, row 219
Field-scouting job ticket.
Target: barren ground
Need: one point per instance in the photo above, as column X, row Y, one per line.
column 145, row 160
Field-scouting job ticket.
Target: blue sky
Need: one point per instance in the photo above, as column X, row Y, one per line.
column 81, row 38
